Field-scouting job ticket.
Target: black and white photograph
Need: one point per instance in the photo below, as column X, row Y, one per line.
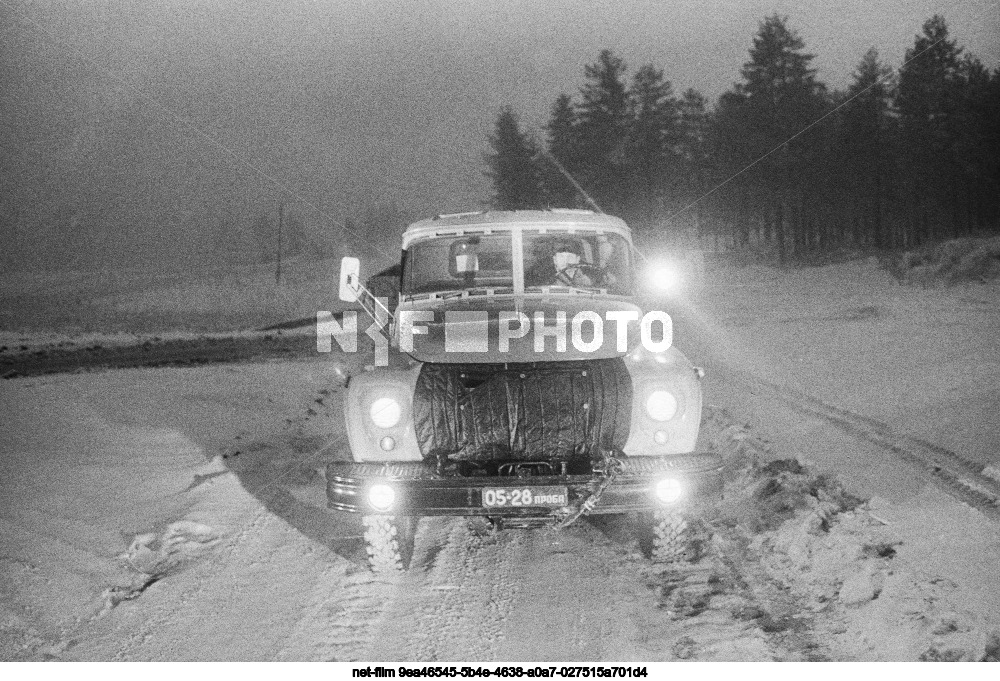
column 472, row 338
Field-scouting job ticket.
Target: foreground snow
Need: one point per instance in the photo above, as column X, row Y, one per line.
column 178, row 514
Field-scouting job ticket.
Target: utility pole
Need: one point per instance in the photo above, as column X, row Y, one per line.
column 281, row 228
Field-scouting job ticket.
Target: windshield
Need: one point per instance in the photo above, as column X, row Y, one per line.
column 456, row 263
column 580, row 260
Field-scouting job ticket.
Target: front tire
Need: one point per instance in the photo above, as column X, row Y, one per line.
column 389, row 541
column 665, row 536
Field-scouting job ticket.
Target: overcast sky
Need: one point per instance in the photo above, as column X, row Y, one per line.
column 360, row 101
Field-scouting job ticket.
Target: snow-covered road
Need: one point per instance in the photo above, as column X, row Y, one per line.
column 178, row 513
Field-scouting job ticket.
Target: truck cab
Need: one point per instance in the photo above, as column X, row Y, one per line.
column 523, row 382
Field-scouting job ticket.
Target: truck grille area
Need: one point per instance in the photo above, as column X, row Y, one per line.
column 543, row 411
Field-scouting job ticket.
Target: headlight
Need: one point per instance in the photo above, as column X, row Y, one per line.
column 661, row 405
column 669, row 490
column 381, row 497
column 664, row 277
column 385, row 412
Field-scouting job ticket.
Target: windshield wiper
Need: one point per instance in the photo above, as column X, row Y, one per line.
column 559, row 288
column 445, row 295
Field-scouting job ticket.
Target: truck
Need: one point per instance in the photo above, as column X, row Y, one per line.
column 525, row 379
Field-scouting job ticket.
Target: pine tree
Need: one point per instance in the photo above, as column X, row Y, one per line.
column 978, row 147
column 694, row 160
column 759, row 122
column 927, row 101
column 653, row 140
column 602, row 132
column 928, row 79
column 563, row 146
column 866, row 159
column 513, row 167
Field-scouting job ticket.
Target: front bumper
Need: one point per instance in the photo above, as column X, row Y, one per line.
column 420, row 491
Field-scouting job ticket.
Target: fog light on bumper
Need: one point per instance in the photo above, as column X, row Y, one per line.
column 669, row 490
column 381, row 497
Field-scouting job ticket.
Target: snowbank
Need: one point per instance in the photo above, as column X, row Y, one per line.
column 950, row 262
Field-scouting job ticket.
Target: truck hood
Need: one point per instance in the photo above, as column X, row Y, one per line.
column 468, row 329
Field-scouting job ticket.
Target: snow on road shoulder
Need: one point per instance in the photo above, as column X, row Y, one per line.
column 18, row 343
column 866, row 579
column 924, row 361
column 116, row 482
column 147, row 300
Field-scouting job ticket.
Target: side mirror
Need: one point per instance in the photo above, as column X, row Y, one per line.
column 350, row 279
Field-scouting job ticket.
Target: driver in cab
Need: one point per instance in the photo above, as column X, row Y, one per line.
column 558, row 263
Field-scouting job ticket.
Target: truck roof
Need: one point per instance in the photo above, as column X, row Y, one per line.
column 559, row 218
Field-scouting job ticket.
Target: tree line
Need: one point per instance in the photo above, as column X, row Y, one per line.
column 780, row 162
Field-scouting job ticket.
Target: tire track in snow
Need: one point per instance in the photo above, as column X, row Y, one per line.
column 587, row 595
column 456, row 597
column 545, row 595
column 963, row 479
column 337, row 624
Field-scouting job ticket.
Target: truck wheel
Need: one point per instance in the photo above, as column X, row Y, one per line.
column 664, row 536
column 389, row 542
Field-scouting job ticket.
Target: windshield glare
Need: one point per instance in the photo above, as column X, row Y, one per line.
column 581, row 260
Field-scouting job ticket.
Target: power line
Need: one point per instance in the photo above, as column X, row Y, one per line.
column 544, row 150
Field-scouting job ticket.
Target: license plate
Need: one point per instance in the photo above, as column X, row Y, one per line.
column 522, row 497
